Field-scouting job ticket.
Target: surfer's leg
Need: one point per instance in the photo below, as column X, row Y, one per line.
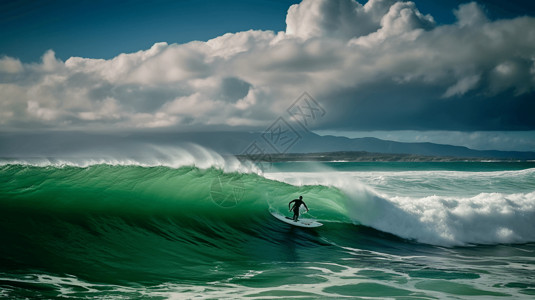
column 296, row 214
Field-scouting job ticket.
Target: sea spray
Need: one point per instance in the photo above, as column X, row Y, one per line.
column 147, row 156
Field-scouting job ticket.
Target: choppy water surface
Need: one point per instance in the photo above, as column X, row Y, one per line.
column 401, row 230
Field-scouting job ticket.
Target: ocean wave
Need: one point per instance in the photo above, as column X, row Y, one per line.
column 213, row 195
column 447, row 220
column 180, row 229
column 147, row 156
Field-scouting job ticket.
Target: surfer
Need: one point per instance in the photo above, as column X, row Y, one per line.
column 296, row 206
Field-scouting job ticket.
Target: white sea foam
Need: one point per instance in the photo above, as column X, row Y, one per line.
column 487, row 217
column 146, row 156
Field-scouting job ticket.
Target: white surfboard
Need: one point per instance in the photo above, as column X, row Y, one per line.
column 308, row 223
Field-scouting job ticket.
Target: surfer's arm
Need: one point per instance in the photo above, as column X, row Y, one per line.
column 305, row 205
column 289, row 204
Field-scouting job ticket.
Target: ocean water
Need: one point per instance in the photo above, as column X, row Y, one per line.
column 198, row 226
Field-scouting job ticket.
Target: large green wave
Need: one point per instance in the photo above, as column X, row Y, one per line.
column 151, row 191
column 147, row 222
column 123, row 228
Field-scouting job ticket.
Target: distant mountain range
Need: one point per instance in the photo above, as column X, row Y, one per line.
column 244, row 143
column 363, row 156
column 374, row 145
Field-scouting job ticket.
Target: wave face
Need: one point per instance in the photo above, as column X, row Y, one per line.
column 76, row 226
column 68, row 219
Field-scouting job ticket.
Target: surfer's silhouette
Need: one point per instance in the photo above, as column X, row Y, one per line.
column 296, row 206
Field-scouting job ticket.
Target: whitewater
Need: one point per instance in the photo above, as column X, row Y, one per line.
column 192, row 223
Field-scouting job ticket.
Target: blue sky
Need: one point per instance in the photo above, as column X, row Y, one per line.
column 454, row 71
column 104, row 29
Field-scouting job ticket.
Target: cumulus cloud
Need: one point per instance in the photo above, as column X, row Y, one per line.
column 470, row 14
column 10, row 65
column 382, row 65
column 344, row 19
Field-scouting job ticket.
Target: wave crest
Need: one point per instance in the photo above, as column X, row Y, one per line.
column 145, row 156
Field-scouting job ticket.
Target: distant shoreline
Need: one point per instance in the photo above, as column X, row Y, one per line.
column 363, row 156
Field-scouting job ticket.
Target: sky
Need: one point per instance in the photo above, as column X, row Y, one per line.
column 454, row 72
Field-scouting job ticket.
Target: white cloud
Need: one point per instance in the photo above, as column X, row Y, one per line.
column 50, row 63
column 361, row 62
column 107, row 109
column 404, row 17
column 231, row 44
column 470, row 14
column 343, row 19
column 43, row 113
column 10, row 65
column 194, row 105
column 462, row 86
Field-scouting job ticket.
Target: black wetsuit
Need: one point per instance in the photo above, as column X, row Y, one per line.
column 296, row 206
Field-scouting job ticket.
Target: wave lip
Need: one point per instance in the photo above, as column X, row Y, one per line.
column 145, row 156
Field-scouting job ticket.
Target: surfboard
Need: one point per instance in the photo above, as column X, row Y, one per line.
column 307, row 223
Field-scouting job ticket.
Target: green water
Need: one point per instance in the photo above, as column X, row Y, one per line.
column 110, row 231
